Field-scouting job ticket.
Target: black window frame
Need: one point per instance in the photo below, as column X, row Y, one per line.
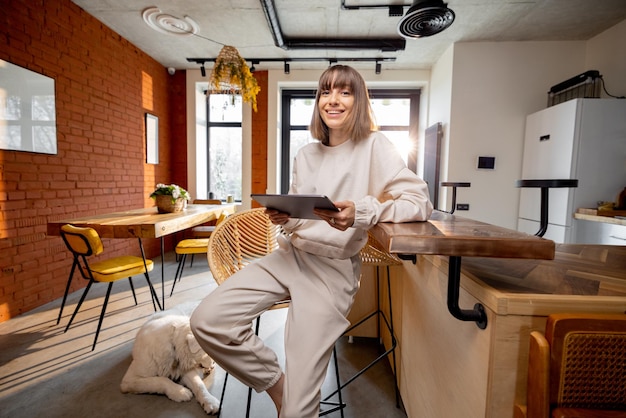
column 286, row 128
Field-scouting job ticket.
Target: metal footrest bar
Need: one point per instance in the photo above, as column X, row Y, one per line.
column 334, row 406
column 389, row 324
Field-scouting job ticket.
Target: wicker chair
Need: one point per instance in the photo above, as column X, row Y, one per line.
column 578, row 368
column 242, row 238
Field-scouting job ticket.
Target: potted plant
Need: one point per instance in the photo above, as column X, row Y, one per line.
column 231, row 74
column 170, row 198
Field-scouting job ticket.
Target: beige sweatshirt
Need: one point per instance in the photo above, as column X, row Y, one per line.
column 371, row 174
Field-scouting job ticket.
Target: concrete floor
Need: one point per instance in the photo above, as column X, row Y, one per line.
column 46, row 372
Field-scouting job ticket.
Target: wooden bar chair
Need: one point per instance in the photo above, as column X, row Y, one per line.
column 84, row 243
column 577, row 368
column 241, row 239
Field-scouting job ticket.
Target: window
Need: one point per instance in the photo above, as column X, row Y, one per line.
column 224, row 146
column 396, row 113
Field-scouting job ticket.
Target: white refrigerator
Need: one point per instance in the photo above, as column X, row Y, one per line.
column 582, row 139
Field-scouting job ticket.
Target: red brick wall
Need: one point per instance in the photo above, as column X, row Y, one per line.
column 104, row 85
column 259, row 138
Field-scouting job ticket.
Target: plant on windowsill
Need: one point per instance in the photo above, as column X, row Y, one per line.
column 170, row 198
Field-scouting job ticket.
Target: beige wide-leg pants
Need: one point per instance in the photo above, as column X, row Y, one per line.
column 321, row 291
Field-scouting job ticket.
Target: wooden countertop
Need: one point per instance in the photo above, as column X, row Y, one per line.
column 145, row 222
column 600, row 216
column 577, row 269
column 452, row 235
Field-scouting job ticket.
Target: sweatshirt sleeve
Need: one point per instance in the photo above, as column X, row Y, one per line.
column 397, row 195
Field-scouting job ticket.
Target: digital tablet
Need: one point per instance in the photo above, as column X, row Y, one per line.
column 296, row 205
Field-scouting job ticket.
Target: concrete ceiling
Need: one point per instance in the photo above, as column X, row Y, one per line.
column 242, row 23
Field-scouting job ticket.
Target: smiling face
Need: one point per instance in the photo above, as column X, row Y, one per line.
column 335, row 106
column 342, row 107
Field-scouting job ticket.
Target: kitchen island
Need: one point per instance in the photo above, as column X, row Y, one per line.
column 450, row 367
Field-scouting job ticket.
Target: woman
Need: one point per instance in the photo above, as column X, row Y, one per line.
column 318, row 265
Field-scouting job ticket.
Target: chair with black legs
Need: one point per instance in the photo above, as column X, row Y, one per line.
column 373, row 254
column 84, row 243
column 242, row 238
column 191, row 246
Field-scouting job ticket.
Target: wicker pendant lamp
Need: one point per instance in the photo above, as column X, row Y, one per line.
column 232, row 74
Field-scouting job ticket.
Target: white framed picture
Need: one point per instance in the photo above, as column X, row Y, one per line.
column 152, row 139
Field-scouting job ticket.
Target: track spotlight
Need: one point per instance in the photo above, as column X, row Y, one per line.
column 286, row 69
column 378, row 67
column 203, row 70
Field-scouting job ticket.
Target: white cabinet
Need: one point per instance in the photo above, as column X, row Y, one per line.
column 600, row 233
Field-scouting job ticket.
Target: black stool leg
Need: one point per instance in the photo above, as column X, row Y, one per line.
column 339, row 405
column 80, row 302
column 104, row 308
column 153, row 293
column 130, row 280
column 389, row 324
column 219, row 411
column 67, row 289
column 179, row 271
column 393, row 336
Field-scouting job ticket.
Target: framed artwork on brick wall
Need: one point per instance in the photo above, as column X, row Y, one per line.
column 27, row 110
column 152, row 139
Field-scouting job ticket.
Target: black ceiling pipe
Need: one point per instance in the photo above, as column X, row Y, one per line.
column 389, row 44
column 392, row 44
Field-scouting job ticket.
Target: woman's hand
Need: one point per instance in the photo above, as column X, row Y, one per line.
column 277, row 217
column 341, row 220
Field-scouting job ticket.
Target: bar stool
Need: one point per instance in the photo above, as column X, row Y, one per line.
column 454, row 185
column 545, row 186
column 241, row 239
column 373, row 254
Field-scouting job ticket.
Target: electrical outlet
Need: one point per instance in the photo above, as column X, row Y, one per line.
column 462, row 206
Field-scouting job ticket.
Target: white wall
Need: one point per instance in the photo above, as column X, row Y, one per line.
column 493, row 87
column 439, row 111
column 607, row 54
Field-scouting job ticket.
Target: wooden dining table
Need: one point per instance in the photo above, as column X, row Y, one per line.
column 145, row 223
column 454, row 236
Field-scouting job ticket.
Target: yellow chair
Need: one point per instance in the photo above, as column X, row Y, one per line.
column 183, row 249
column 241, row 239
column 85, row 242
column 204, row 231
column 191, row 246
column 577, row 369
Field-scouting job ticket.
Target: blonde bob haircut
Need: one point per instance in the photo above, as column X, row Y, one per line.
column 361, row 118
